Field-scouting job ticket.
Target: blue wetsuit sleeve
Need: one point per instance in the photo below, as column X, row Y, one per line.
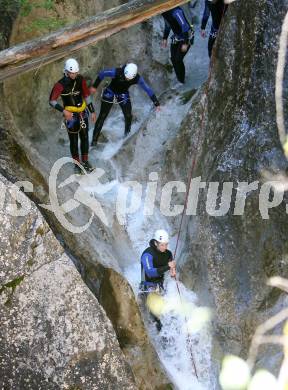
column 206, row 15
column 148, row 265
column 102, row 74
column 184, row 25
column 148, row 90
column 147, row 262
column 167, row 29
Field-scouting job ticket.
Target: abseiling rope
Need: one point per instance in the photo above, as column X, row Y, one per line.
column 193, row 164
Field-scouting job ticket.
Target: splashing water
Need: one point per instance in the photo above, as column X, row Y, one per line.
column 175, row 344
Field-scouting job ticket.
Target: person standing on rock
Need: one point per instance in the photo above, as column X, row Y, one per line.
column 182, row 39
column 76, row 98
column 117, row 92
column 155, row 261
column 217, row 9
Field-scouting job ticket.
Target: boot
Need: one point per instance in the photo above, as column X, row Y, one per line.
column 87, row 166
column 94, row 142
column 158, row 325
column 95, row 139
column 77, row 170
column 127, row 131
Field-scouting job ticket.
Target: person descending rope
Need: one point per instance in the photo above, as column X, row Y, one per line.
column 155, row 261
column 76, row 97
column 182, row 39
column 217, row 8
column 117, row 92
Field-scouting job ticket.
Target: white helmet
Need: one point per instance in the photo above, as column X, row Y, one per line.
column 161, row 236
column 130, row 71
column 71, row 65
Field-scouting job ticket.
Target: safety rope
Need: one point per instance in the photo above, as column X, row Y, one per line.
column 193, row 164
column 189, row 338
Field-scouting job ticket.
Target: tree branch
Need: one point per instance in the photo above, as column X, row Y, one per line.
column 35, row 53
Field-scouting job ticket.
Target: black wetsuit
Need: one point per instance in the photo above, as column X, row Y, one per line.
column 217, row 10
column 117, row 92
column 73, row 93
column 153, row 265
column 176, row 21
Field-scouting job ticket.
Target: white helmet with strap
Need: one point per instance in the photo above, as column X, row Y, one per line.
column 71, row 65
column 161, row 236
column 130, row 71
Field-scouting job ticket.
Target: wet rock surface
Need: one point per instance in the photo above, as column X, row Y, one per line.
column 54, row 333
column 229, row 123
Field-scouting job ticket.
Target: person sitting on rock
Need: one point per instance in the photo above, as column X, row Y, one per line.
column 76, row 98
column 155, row 261
column 182, row 39
column 117, row 92
column 217, row 9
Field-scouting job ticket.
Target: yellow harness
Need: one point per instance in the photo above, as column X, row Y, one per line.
column 76, row 109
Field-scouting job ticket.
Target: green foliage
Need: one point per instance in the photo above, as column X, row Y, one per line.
column 11, row 285
column 47, row 23
column 9, row 7
column 48, row 4
column 26, row 6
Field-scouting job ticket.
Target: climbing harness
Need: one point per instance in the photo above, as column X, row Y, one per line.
column 82, row 122
column 79, row 113
column 69, row 125
column 114, row 96
column 75, row 108
column 72, row 94
column 191, row 35
column 213, row 33
column 148, row 289
column 175, row 40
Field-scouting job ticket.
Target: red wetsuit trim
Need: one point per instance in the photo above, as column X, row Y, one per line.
column 56, row 91
column 85, row 90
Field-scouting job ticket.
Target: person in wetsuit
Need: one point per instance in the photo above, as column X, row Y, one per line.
column 76, row 97
column 182, row 39
column 117, row 92
column 155, row 261
column 191, row 9
column 217, row 9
